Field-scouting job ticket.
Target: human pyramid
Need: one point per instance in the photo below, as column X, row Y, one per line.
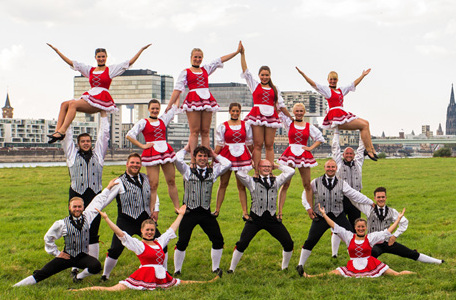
column 239, row 143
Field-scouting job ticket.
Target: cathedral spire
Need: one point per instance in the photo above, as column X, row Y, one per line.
column 452, row 95
column 7, row 110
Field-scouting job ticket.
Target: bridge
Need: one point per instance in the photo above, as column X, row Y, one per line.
column 434, row 140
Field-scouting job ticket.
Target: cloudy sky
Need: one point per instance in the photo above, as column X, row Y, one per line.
column 409, row 44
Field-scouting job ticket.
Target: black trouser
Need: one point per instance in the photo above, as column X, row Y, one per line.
column 396, row 248
column 268, row 223
column 81, row 261
column 319, row 227
column 95, row 225
column 206, row 221
column 130, row 226
column 351, row 212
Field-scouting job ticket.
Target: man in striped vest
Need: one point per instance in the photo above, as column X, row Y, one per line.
column 75, row 231
column 328, row 191
column 350, row 169
column 134, row 204
column 198, row 182
column 86, row 167
column 263, row 191
column 379, row 218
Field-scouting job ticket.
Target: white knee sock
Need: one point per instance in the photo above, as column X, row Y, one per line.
column 94, row 250
column 84, row 274
column 286, row 256
column 335, row 242
column 179, row 257
column 26, row 281
column 216, row 256
column 304, row 256
column 109, row 264
column 235, row 260
column 427, row 259
column 165, row 262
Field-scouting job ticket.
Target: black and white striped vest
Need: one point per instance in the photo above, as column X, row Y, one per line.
column 351, row 175
column 264, row 199
column 135, row 200
column 375, row 222
column 86, row 175
column 331, row 200
column 198, row 189
column 76, row 241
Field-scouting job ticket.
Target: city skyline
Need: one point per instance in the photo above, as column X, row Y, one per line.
column 408, row 45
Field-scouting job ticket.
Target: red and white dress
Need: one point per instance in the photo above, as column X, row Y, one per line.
column 336, row 114
column 155, row 132
column 234, row 141
column 361, row 263
column 100, row 81
column 298, row 136
column 151, row 274
column 198, row 98
column 263, row 112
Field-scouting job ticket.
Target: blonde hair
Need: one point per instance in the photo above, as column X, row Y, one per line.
column 299, row 105
column 196, row 50
column 333, row 74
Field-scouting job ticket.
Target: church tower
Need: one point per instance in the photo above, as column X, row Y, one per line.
column 451, row 115
column 7, row 110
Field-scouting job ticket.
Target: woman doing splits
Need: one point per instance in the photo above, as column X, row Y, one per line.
column 151, row 274
column 199, row 103
column 98, row 97
column 232, row 138
column 361, row 263
column 298, row 154
column 156, row 151
column 337, row 116
column 263, row 117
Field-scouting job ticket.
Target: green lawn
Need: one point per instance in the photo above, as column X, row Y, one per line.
column 31, row 199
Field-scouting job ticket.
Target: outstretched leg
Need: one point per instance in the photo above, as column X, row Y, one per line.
column 115, row 288
column 363, row 126
column 394, row 273
column 74, row 106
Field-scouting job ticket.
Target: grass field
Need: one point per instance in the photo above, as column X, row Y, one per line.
column 31, row 199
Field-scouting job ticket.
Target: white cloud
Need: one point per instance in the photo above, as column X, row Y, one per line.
column 9, row 56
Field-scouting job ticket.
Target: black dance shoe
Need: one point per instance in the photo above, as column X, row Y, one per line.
column 54, row 138
column 371, row 157
column 104, row 278
column 300, row 270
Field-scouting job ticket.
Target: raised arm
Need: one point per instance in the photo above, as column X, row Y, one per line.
column 243, row 62
column 176, row 222
column 309, row 81
column 134, row 58
column 335, row 148
column 364, row 74
column 327, row 219
column 65, row 59
column 394, row 225
column 227, row 57
column 111, row 225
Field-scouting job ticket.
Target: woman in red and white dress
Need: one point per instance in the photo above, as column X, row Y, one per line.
column 156, row 151
column 98, row 97
column 337, row 115
column 263, row 116
column 298, row 154
column 199, row 103
column 361, row 263
column 233, row 141
column 151, row 274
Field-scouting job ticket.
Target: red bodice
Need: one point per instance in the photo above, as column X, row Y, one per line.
column 154, row 133
column 235, row 136
column 197, row 81
column 336, row 99
column 298, row 136
column 100, row 80
column 152, row 256
column 359, row 250
column 263, row 96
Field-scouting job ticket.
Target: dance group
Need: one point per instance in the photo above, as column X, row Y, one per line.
column 328, row 199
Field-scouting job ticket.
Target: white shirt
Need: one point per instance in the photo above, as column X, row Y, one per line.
column 248, row 182
column 314, row 132
column 253, row 84
column 114, row 70
column 221, row 129
column 325, row 90
column 167, row 117
column 403, row 223
column 181, row 81
column 101, row 145
column 218, row 169
column 138, row 246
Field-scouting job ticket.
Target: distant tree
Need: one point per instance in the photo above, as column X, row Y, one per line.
column 443, row 152
column 382, row 155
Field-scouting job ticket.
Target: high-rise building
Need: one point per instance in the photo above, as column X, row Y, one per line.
column 315, row 103
column 451, row 115
column 7, row 110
